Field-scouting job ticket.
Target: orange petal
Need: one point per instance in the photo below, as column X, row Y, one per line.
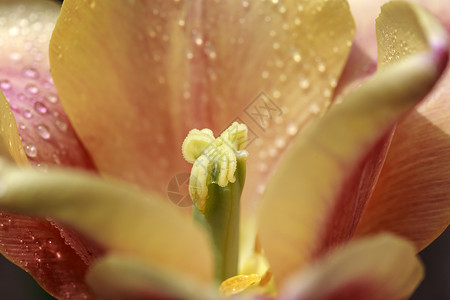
column 411, row 196
column 378, row 268
column 308, row 204
column 136, row 76
column 44, row 129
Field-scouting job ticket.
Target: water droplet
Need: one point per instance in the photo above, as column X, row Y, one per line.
column 31, row 150
column 5, row 84
column 333, row 81
column 276, row 45
column 272, row 152
column 43, row 131
column 15, row 56
column 262, row 167
column 304, row 83
column 260, row 189
column 27, row 114
column 276, row 94
column 32, row 89
column 13, row 31
column 40, row 108
column 189, row 55
column 181, row 22
column 92, row 4
column 245, row 3
column 314, row 108
column 198, row 41
column 61, row 125
column 51, row 98
column 280, row 142
column 56, row 159
column 31, row 72
column 265, row 74
column 297, row 57
column 320, row 65
column 291, row 129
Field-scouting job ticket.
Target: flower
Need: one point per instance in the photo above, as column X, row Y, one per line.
column 198, row 65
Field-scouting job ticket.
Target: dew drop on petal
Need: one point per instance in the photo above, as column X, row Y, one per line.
column 304, row 83
column 43, row 131
column 40, row 108
column 5, row 84
column 27, row 114
column 32, row 89
column 297, row 57
column 56, row 159
column 52, row 98
column 30, row 73
column 260, row 189
column 31, row 150
column 291, row 129
column 61, row 125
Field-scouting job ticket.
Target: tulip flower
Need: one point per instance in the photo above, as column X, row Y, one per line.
column 343, row 183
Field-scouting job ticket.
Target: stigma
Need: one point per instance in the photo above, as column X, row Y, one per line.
column 214, row 159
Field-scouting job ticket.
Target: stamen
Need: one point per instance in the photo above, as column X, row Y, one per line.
column 214, row 159
column 215, row 186
column 238, row 284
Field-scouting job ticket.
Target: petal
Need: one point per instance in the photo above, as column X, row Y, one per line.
column 11, row 146
column 411, row 197
column 382, row 267
column 116, row 216
column 365, row 13
column 25, row 80
column 37, row 246
column 307, row 205
column 163, row 68
column 120, row 277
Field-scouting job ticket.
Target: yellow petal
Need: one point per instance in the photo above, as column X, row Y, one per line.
column 136, row 76
column 295, row 217
column 120, row 277
column 10, row 144
column 116, row 216
column 377, row 268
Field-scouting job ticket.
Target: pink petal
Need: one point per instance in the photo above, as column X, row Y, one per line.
column 55, row 256
column 46, row 133
column 37, row 246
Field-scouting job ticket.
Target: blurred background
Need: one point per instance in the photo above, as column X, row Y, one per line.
column 16, row 284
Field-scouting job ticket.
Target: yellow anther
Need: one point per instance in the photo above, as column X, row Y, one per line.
column 214, row 159
column 195, row 143
column 238, row 284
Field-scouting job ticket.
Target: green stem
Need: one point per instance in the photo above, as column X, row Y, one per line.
column 221, row 219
